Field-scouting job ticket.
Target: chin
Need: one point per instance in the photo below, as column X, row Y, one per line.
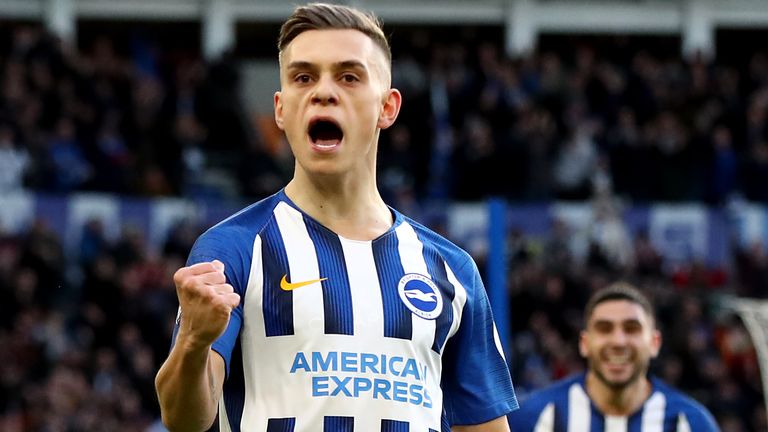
column 323, row 168
column 618, row 381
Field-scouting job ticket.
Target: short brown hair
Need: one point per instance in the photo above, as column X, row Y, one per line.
column 323, row 16
column 619, row 291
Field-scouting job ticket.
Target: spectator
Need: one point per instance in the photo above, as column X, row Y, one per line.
column 723, row 168
column 575, row 163
column 70, row 169
column 14, row 162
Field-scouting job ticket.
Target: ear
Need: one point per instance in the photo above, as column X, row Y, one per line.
column 583, row 345
column 278, row 111
column 655, row 343
column 390, row 109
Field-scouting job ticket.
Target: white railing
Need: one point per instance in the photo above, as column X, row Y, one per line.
column 696, row 21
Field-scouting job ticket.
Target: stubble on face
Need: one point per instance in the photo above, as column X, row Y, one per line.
column 639, row 368
column 637, row 342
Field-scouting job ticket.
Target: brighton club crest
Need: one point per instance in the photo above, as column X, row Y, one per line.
column 420, row 295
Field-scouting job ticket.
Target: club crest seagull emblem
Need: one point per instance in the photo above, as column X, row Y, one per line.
column 420, row 295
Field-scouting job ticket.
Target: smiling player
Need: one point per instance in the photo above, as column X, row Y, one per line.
column 616, row 394
column 321, row 308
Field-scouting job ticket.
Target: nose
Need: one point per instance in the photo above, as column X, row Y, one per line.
column 325, row 92
column 618, row 337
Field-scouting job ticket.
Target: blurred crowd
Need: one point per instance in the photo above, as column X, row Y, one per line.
column 84, row 333
column 130, row 118
column 706, row 350
column 120, row 117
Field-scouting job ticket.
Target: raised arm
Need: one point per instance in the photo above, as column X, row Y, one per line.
column 190, row 381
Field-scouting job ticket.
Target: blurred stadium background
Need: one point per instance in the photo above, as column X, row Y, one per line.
column 564, row 143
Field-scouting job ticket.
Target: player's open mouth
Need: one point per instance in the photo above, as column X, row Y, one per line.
column 618, row 359
column 325, row 133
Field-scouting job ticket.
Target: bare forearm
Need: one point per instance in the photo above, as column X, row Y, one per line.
column 188, row 388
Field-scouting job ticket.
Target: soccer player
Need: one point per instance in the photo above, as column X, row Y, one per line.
column 320, row 308
column 616, row 394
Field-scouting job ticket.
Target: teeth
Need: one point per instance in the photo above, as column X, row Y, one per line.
column 617, row 359
column 326, row 144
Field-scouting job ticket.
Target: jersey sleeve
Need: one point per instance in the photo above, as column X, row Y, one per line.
column 221, row 245
column 700, row 419
column 476, row 383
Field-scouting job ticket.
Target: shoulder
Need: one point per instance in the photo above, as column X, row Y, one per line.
column 236, row 233
column 556, row 393
column 454, row 256
column 698, row 416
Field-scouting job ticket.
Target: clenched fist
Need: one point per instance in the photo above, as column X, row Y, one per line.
column 206, row 301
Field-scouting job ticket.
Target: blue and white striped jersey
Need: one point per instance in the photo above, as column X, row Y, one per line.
column 566, row 407
column 333, row 334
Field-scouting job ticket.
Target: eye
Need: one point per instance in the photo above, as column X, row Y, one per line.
column 603, row 327
column 633, row 328
column 349, row 78
column 302, row 78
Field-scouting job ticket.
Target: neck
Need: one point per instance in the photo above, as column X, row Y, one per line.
column 618, row 401
column 354, row 210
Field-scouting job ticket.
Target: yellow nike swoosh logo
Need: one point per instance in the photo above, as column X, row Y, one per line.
column 287, row 286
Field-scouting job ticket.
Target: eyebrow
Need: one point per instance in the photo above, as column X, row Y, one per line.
column 346, row 64
column 622, row 322
column 351, row 64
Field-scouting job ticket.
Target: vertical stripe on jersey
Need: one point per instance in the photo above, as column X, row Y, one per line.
column 394, row 426
column 412, row 259
column 337, row 297
column 281, row 425
column 546, row 420
column 364, row 282
column 615, row 423
column 224, row 424
column 682, row 423
column 277, row 304
column 497, row 342
column 397, row 317
column 652, row 417
column 579, row 411
column 445, row 425
column 459, row 300
column 253, row 331
column 338, row 424
column 302, row 267
column 437, row 270
column 233, row 398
